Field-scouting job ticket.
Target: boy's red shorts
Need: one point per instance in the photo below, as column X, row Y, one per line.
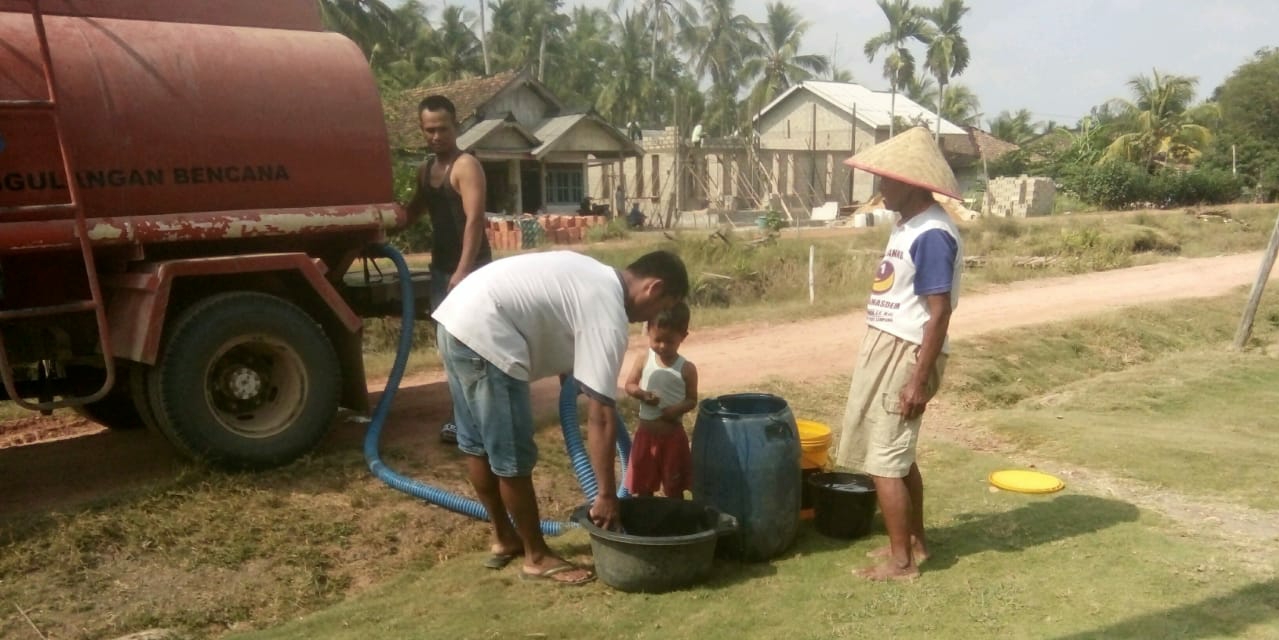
column 660, row 460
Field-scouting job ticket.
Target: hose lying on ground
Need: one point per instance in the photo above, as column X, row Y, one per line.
column 453, row 502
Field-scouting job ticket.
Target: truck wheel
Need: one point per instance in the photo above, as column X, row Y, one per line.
column 246, row 380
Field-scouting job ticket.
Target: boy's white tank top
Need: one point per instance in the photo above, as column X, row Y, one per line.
column 666, row 382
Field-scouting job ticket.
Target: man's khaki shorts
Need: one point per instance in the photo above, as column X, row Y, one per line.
column 875, row 438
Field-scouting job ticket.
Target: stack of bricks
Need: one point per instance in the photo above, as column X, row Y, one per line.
column 556, row 229
column 1021, row 197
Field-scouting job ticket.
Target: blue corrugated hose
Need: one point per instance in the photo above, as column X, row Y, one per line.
column 452, row 502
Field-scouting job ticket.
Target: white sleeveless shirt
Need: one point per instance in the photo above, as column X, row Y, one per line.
column 666, row 382
column 894, row 307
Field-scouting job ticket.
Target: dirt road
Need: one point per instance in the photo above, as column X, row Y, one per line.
column 52, row 463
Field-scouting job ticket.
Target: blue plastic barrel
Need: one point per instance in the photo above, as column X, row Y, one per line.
column 746, row 464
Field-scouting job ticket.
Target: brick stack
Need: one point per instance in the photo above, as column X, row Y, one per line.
column 1021, row 197
column 509, row 235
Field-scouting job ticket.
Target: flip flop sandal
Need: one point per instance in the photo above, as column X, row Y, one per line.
column 499, row 560
column 549, row 575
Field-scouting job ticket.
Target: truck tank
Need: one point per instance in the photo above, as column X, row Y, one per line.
column 259, row 124
column 231, row 162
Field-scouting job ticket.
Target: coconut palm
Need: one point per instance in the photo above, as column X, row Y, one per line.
column 947, row 54
column 525, row 33
column 1160, row 125
column 621, row 96
column 366, row 22
column 779, row 63
column 721, row 39
column 961, row 106
column 456, row 51
column 664, row 20
column 922, row 90
column 1017, row 128
column 905, row 23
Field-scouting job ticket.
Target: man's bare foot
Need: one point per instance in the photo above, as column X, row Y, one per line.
column 557, row 570
column 888, row 571
column 918, row 552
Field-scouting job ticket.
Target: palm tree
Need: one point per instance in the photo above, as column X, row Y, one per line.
column 905, row 23
column 1017, row 128
column 456, row 51
column 1160, row 126
column 525, row 33
column 366, row 22
column 839, row 74
column 722, row 45
column 664, row 19
column 961, row 106
column 621, row 94
column 779, row 63
column 947, row 54
column 922, row 90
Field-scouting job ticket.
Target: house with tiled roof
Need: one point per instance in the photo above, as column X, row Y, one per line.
column 535, row 150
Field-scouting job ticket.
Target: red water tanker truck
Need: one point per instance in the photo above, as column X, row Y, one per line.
column 183, row 186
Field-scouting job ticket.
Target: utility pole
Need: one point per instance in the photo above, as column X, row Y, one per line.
column 1258, row 286
column 484, row 41
column 677, row 193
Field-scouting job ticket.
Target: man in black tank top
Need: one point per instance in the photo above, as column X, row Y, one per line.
column 450, row 187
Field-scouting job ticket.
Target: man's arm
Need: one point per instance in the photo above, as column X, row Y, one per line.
column 417, row 204
column 601, row 438
column 675, row 411
column 468, row 180
column 913, row 396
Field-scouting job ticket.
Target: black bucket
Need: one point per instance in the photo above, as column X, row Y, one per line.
column 844, row 503
column 665, row 543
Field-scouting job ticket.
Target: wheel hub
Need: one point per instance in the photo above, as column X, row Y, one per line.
column 244, row 383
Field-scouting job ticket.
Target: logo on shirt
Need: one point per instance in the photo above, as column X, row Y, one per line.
column 883, row 278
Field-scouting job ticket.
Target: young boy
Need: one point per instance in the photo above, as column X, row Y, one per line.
column 666, row 386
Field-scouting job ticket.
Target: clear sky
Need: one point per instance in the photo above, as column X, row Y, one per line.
column 1056, row 58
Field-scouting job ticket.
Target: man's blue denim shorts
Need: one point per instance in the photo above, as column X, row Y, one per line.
column 492, row 410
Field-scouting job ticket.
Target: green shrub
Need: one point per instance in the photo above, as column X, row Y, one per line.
column 614, row 230
column 1122, row 185
column 1114, row 185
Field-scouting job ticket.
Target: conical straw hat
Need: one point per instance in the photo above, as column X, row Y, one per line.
column 913, row 157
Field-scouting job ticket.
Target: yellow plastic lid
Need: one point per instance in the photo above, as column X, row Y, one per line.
column 1025, row 481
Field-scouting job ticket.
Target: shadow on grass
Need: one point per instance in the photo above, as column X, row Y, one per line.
column 1227, row 615
column 1035, row 524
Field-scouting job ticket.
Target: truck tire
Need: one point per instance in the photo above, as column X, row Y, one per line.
column 245, row 381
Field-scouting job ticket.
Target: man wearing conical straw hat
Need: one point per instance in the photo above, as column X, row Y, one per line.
column 899, row 366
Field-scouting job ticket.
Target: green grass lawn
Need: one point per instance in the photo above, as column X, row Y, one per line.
column 1005, row 565
column 1200, row 423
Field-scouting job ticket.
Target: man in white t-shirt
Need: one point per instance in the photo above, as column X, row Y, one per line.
column 529, row 317
column 901, row 360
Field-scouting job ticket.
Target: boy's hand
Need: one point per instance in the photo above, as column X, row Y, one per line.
column 650, row 398
column 672, row 414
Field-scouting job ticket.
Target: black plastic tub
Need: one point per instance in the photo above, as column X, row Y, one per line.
column 843, row 503
column 665, row 543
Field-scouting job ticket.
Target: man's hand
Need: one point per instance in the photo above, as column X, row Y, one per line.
column 672, row 414
column 457, row 278
column 604, row 512
column 913, row 400
column 650, row 398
